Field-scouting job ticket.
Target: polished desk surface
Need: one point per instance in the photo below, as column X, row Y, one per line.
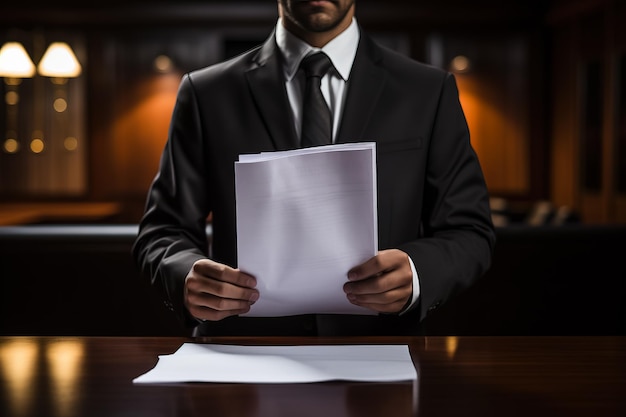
column 468, row 376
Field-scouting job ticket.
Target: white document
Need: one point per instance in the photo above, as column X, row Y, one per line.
column 194, row 362
column 304, row 218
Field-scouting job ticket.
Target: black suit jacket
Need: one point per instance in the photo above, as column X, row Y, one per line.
column 432, row 198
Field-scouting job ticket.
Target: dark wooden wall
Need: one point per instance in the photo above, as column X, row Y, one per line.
column 522, row 97
column 128, row 104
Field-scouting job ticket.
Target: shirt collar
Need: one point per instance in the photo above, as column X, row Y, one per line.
column 340, row 50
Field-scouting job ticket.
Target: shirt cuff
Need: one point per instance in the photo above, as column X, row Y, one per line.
column 416, row 288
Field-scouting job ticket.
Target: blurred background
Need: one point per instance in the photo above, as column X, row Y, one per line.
column 543, row 84
column 87, row 91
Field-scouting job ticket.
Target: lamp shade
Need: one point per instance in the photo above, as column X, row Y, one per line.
column 15, row 62
column 59, row 61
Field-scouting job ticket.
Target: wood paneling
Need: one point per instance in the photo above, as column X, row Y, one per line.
column 587, row 114
column 128, row 109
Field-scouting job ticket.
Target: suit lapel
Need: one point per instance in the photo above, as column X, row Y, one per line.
column 265, row 80
column 365, row 85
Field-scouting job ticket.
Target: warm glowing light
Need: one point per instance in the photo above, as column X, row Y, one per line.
column 59, row 61
column 58, row 80
column 37, row 146
column 70, row 143
column 163, row 63
column 452, row 343
column 60, row 105
column 18, row 360
column 15, row 62
column 460, row 64
column 64, row 360
column 12, row 98
column 11, row 146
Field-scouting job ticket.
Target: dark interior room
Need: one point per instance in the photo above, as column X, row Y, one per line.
column 541, row 84
column 88, row 92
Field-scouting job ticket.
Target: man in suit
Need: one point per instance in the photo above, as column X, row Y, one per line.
column 435, row 230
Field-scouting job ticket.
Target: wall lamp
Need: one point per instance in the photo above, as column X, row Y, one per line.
column 15, row 62
column 460, row 64
column 58, row 63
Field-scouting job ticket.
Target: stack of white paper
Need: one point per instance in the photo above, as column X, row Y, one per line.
column 282, row 364
column 304, row 218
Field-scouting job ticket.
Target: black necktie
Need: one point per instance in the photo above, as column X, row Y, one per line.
column 317, row 122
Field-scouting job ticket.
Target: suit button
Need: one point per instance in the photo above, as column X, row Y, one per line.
column 434, row 307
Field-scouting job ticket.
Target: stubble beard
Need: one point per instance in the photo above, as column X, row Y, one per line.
column 319, row 20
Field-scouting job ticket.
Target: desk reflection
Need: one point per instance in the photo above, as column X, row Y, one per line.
column 23, row 361
column 328, row 399
column 19, row 366
column 66, row 377
column 478, row 376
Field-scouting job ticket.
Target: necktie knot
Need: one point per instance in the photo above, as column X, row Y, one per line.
column 316, row 65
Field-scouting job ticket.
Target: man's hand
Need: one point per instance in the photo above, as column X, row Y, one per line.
column 214, row 291
column 384, row 283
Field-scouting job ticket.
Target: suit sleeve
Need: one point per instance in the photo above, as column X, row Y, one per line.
column 172, row 233
column 458, row 234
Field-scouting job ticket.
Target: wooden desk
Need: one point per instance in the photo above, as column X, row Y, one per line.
column 467, row 376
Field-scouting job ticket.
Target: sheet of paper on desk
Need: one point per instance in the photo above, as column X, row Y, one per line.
column 304, row 218
column 195, row 362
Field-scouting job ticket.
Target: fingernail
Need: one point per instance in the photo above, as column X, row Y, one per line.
column 254, row 297
column 351, row 276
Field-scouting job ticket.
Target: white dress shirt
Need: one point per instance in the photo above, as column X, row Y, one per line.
column 341, row 51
